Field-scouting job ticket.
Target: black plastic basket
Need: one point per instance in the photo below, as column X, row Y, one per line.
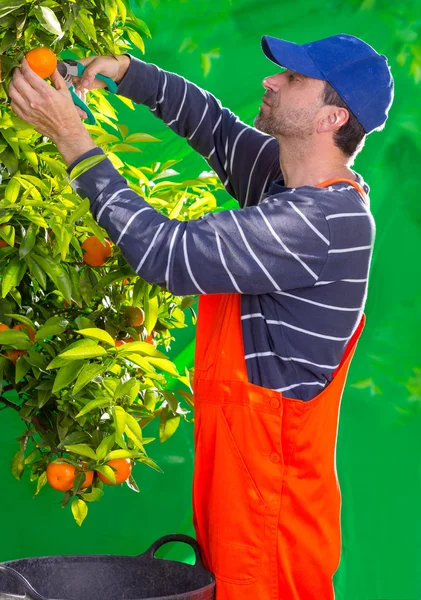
column 106, row 577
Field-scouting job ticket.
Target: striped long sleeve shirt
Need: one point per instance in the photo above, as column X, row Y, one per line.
column 300, row 257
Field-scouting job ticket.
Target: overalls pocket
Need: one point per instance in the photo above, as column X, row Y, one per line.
column 238, row 510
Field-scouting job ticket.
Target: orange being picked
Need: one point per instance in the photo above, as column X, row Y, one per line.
column 95, row 253
column 122, row 468
column 42, row 60
column 134, row 316
column 61, row 476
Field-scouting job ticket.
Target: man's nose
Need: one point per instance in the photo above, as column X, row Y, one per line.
column 273, row 82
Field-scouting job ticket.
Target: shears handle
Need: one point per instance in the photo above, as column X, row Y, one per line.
column 112, row 86
column 81, row 104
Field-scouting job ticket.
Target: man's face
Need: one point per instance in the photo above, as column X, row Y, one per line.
column 290, row 105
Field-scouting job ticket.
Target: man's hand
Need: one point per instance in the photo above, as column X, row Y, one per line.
column 50, row 110
column 114, row 67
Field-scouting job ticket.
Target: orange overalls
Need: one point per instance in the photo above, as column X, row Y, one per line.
column 266, row 498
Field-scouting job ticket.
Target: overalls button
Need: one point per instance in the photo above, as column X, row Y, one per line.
column 275, row 458
column 274, row 403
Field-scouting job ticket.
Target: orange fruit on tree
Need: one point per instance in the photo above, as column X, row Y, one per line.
column 95, row 253
column 42, row 60
column 61, row 476
column 89, row 476
column 150, row 340
column 126, row 340
column 13, row 355
column 134, row 316
column 28, row 329
column 122, row 470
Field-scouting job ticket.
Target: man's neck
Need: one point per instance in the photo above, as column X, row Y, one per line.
column 312, row 166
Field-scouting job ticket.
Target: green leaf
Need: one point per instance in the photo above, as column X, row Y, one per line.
column 66, row 375
column 87, row 374
column 57, row 274
column 164, row 364
column 79, row 510
column 21, row 319
column 140, row 137
column 107, row 472
column 85, row 165
column 30, row 154
column 140, row 347
column 134, row 426
column 136, row 39
column 97, row 403
column 74, row 278
column 38, row 272
column 111, row 10
column 168, row 424
column 119, row 415
column 21, row 369
column 151, row 312
column 125, row 148
column 81, row 210
column 105, row 447
column 10, row 6
column 132, row 484
column 12, row 275
column 148, row 461
column 134, row 439
column 82, row 450
column 95, row 333
column 88, row 351
column 122, row 454
column 16, row 339
column 28, row 241
column 86, row 287
column 42, row 480
column 93, row 496
column 172, row 401
column 48, row 331
column 37, row 219
column 48, row 20
column 86, row 23
column 18, row 464
column 12, row 190
column 122, row 10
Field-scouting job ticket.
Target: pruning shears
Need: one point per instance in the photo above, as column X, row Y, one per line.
column 71, row 68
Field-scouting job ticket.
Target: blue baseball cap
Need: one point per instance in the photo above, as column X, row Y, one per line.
column 360, row 75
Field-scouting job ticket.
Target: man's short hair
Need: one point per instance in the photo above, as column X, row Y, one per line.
column 350, row 137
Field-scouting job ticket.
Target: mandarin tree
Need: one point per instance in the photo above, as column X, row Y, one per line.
column 83, row 339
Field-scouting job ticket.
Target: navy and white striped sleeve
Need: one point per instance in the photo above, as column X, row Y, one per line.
column 245, row 159
column 276, row 246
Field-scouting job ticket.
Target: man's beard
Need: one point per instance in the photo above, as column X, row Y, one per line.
column 296, row 124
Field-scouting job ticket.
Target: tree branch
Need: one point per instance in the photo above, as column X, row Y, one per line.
column 9, row 404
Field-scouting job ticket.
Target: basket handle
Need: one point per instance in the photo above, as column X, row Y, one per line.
column 21, row 580
column 176, row 537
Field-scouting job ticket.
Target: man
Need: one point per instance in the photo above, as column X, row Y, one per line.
column 282, row 285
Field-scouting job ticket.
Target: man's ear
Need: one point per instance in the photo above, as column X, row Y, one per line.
column 333, row 119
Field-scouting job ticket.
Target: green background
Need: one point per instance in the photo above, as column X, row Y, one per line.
column 379, row 440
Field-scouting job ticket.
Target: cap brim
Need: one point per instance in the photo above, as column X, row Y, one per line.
column 291, row 56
